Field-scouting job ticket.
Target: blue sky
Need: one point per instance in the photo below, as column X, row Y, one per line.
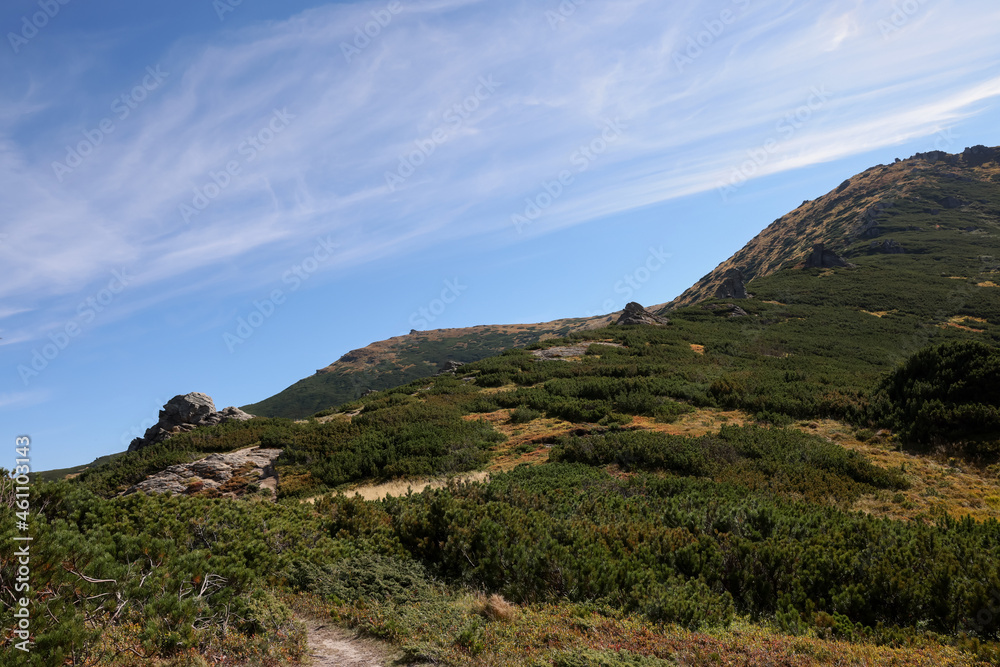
column 169, row 170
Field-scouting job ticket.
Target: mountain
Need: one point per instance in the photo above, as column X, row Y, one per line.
column 400, row 360
column 799, row 465
column 896, row 208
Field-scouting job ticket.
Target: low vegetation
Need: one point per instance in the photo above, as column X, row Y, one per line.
column 813, row 483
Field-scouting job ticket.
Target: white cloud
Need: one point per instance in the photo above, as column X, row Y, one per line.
column 325, row 172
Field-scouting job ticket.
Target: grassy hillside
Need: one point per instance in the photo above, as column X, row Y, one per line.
column 739, row 487
column 396, row 361
column 901, row 201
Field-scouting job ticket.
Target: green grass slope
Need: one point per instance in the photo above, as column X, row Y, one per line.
column 403, row 359
column 721, row 490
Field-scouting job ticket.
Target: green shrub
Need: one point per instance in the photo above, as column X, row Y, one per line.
column 523, row 415
column 948, row 394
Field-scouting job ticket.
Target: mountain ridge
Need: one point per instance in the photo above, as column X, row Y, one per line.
column 851, row 212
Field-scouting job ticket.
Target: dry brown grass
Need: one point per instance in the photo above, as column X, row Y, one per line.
column 936, row 483
column 697, row 423
column 536, row 433
column 494, row 608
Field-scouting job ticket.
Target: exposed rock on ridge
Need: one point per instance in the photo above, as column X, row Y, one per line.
column 634, row 313
column 184, row 413
column 254, row 465
column 858, row 209
column 733, row 286
column 822, row 258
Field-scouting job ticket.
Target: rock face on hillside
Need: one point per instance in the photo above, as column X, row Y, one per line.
column 227, row 474
column 822, row 258
column 865, row 207
column 185, row 413
column 887, row 247
column 730, row 310
column 634, row 313
column 733, row 286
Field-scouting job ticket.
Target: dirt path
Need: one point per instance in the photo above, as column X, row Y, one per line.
column 399, row 487
column 330, row 646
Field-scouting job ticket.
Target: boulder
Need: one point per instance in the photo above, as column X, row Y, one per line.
column 450, row 367
column 868, row 223
column 184, row 413
column 255, row 465
column 730, row 310
column 732, row 286
column 887, row 247
column 634, row 314
column 821, row 258
column 980, row 155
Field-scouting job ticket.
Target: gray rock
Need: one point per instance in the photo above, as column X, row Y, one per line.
column 868, row 224
column 732, row 286
column 185, row 413
column 635, row 314
column 821, row 258
column 887, row 247
column 730, row 310
column 213, row 472
column 450, row 367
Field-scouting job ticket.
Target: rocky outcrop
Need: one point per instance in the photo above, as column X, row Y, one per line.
column 729, row 310
column 974, row 156
column 732, row 286
column 450, row 367
column 977, row 156
column 226, row 474
column 868, row 225
column 569, row 352
column 635, row 314
column 887, row 247
column 821, row 258
column 185, row 413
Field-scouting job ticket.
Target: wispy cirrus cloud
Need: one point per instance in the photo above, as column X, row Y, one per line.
column 349, row 123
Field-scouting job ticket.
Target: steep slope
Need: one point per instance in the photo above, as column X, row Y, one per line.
column 724, row 470
column 400, row 360
column 900, row 202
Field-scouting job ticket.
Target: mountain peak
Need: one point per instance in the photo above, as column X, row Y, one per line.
column 859, row 211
